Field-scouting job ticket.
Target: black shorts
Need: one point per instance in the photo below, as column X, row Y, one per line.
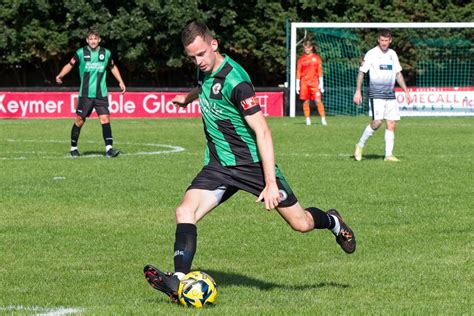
column 249, row 178
column 86, row 105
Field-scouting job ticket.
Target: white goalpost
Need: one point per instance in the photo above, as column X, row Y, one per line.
column 440, row 60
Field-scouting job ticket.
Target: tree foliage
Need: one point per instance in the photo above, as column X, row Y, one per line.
column 39, row 36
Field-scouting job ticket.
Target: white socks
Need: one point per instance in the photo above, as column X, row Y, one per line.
column 389, row 139
column 179, row 275
column 73, row 148
column 368, row 132
column 108, row 147
column 337, row 227
column 389, row 142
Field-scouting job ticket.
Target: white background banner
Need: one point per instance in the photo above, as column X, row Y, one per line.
column 437, row 101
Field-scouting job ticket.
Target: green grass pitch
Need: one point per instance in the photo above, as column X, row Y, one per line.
column 76, row 233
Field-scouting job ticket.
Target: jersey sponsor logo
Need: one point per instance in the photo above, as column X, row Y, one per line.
column 385, row 67
column 216, row 88
column 210, row 107
column 249, row 102
column 94, row 66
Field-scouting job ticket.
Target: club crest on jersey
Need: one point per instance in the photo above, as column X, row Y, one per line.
column 216, row 88
column 249, row 102
column 101, row 57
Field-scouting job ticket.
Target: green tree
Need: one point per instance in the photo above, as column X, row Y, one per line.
column 38, row 36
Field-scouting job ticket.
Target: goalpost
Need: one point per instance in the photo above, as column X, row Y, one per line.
column 437, row 61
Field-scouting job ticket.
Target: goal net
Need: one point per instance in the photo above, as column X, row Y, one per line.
column 437, row 61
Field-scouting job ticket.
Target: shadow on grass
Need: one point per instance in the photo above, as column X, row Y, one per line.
column 372, row 157
column 93, row 153
column 228, row 279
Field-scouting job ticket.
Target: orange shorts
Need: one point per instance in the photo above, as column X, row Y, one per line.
column 309, row 92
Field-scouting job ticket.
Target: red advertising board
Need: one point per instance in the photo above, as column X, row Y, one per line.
column 128, row 105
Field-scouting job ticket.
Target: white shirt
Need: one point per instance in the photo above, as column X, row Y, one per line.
column 382, row 68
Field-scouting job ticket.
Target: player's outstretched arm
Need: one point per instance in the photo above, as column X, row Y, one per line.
column 183, row 100
column 66, row 69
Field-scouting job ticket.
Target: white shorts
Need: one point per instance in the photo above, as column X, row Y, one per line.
column 381, row 109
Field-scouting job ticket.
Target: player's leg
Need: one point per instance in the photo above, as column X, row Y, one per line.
column 305, row 220
column 205, row 192
column 305, row 96
column 195, row 205
column 83, row 110
column 377, row 111
column 320, row 107
column 392, row 115
column 194, row 201
column 390, row 141
column 251, row 178
column 102, row 109
column 307, row 111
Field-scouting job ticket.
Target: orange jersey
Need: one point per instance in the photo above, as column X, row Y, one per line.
column 309, row 69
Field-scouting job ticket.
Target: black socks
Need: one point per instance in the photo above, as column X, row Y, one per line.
column 184, row 247
column 107, row 134
column 75, row 131
column 321, row 219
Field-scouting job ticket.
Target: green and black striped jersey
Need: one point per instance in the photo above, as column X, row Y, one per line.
column 93, row 70
column 226, row 96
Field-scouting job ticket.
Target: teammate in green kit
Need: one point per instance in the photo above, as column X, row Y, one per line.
column 93, row 62
column 239, row 156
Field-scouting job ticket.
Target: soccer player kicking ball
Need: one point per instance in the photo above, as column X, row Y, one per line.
column 239, row 156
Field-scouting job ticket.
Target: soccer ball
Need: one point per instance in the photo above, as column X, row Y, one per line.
column 197, row 289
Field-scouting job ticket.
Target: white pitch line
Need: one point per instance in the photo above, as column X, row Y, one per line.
column 169, row 149
column 42, row 311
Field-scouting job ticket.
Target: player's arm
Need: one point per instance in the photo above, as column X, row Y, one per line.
column 402, row 84
column 243, row 97
column 270, row 193
column 298, row 76
column 67, row 69
column 364, row 68
column 183, row 100
column 320, row 74
column 116, row 72
column 358, row 93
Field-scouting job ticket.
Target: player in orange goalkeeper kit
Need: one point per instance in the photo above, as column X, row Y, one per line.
column 309, row 81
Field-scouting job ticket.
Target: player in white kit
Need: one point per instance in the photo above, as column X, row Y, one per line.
column 383, row 67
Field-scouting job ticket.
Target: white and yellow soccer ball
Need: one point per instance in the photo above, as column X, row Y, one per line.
column 197, row 289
